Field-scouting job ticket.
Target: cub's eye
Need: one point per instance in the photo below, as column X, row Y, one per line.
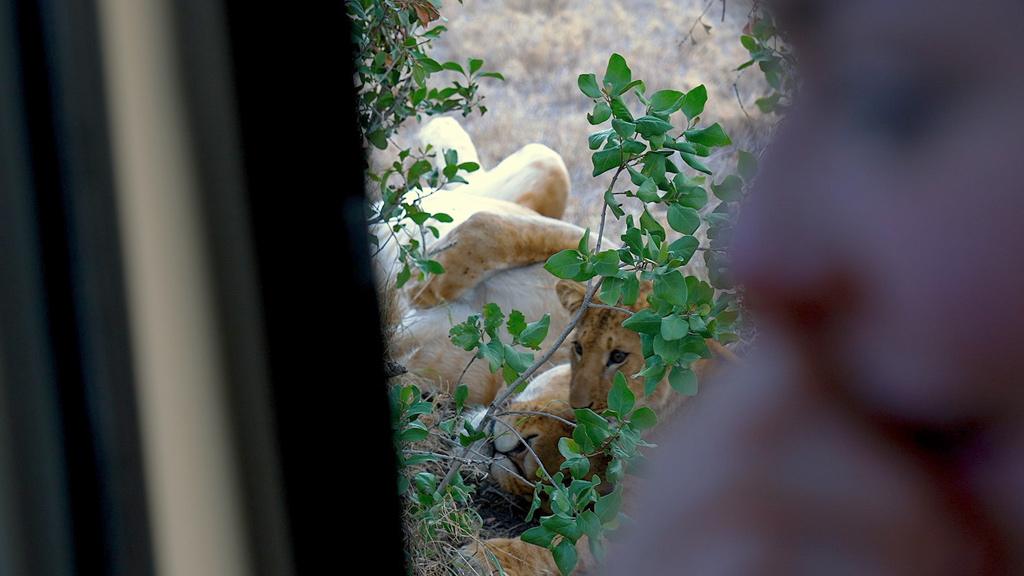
column 577, row 348
column 617, row 357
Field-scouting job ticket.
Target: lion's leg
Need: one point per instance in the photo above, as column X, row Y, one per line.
column 520, row 558
column 534, row 177
column 487, row 242
column 445, row 133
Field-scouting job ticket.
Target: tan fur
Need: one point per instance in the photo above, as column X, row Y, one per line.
column 503, row 228
column 598, row 334
column 585, row 381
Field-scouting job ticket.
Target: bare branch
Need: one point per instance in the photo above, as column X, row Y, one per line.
column 535, row 413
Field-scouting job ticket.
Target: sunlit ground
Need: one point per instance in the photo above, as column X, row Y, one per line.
column 541, row 46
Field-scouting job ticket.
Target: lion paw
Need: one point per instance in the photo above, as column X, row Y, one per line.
column 517, row 558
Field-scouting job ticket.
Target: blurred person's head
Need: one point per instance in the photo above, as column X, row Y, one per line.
column 884, row 234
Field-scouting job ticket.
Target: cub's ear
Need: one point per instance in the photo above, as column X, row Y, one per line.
column 570, row 294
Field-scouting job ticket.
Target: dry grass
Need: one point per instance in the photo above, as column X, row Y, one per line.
column 543, row 45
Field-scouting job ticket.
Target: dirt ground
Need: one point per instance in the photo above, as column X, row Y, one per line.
column 541, row 46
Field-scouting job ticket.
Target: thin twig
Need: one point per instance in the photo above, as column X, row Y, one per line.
column 540, row 462
column 616, row 308
column 736, row 90
column 700, row 18
column 534, row 413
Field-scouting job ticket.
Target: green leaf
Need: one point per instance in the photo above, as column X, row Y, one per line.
column 684, row 248
column 694, row 344
column 633, row 147
column 712, row 136
column 494, row 352
column 634, row 84
column 654, row 371
column 606, row 160
column 666, row 101
column 613, row 204
column 730, row 190
column 518, row 361
column 565, row 557
column 768, row 104
column 611, row 290
column 683, row 380
column 671, row 287
column 413, row 434
column 630, row 290
column 648, row 223
column 454, row 66
column 683, row 219
column 669, row 350
column 617, row 74
column 496, row 75
column 566, row 264
column 461, row 393
column 692, row 161
column 431, row 65
column 378, row 139
column 538, row 536
column 588, row 85
column 648, row 191
column 620, row 397
column 584, row 244
column 644, row 322
column 597, row 139
column 693, row 103
column 607, row 263
column 516, row 323
column 746, row 165
column 589, row 523
column 674, row 327
column 644, row 418
column 649, row 126
column 601, row 114
column 697, row 324
column 432, row 267
column 623, row 128
column 620, row 110
column 607, row 507
column 466, row 335
column 535, row 333
column 689, row 195
column 493, row 317
column 681, row 146
column 561, row 525
column 568, row 448
column 749, row 43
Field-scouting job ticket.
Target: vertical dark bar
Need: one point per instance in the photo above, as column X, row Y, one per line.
column 304, row 173
column 205, row 68
column 35, row 485
column 68, row 202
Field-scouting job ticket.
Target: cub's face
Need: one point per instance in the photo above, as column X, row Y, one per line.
column 513, row 461
column 601, row 348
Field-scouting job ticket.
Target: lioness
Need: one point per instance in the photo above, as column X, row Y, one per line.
column 504, row 226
